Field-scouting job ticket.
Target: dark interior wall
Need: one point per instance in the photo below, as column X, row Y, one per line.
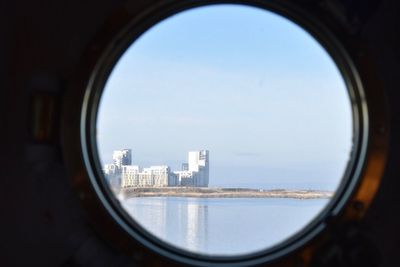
column 382, row 33
column 43, row 222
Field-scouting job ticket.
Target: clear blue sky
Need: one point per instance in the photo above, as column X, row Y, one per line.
column 252, row 87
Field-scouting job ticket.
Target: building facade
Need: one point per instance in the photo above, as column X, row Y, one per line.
column 194, row 173
column 122, row 157
column 154, row 176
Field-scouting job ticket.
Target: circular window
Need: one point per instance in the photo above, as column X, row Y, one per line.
column 223, row 132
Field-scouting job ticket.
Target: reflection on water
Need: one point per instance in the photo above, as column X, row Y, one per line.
column 222, row 226
column 194, row 225
column 182, row 222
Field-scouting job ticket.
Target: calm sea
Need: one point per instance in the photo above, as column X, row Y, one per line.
column 223, row 226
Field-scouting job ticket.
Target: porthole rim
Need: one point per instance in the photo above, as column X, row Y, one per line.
column 261, row 256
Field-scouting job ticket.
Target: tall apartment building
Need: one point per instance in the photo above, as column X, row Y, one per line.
column 194, row 173
column 113, row 171
column 122, row 157
column 199, row 166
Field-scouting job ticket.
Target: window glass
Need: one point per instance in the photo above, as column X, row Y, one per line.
column 224, row 130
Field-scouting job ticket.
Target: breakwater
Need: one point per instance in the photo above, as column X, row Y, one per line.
column 207, row 192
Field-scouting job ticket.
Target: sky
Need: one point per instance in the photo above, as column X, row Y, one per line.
column 250, row 86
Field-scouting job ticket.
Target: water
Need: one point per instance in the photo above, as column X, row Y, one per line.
column 223, row 226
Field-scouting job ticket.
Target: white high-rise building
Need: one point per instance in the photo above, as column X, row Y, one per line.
column 196, row 171
column 122, row 157
column 199, row 166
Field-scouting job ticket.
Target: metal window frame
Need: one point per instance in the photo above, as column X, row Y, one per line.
column 350, row 203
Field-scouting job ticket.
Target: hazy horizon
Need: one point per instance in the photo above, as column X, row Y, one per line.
column 251, row 87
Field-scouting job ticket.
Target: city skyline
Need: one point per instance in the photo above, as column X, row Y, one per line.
column 121, row 173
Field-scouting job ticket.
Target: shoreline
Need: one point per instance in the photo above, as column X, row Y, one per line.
column 209, row 192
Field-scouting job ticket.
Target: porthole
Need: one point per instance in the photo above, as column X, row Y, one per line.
column 223, row 133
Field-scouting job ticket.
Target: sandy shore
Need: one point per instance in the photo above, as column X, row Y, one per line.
column 207, row 192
